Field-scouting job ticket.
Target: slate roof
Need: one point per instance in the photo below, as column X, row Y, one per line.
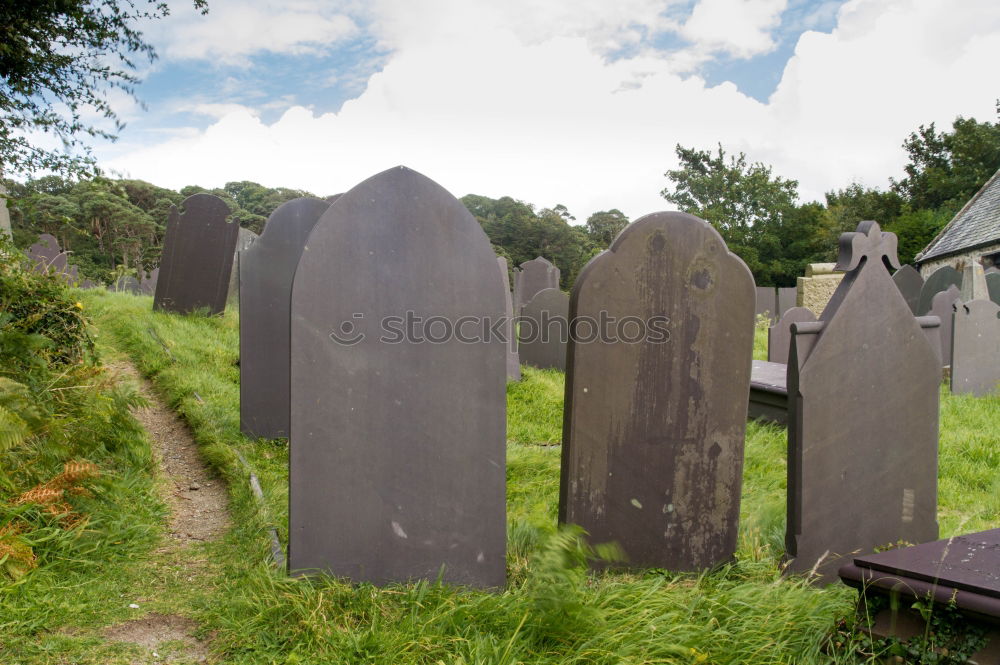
column 976, row 224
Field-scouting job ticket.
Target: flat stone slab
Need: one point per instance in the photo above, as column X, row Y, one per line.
column 768, row 392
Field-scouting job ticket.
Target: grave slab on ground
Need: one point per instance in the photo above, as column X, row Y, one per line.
column 769, row 392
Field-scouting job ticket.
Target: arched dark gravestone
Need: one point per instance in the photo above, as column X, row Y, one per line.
column 543, row 330
column 975, row 365
column 534, row 275
column 509, row 333
column 766, row 302
column 197, row 257
column 993, row 286
column 244, row 240
column 147, row 285
column 47, row 255
column 397, row 468
column 942, row 306
column 653, row 429
column 780, row 334
column 937, row 282
column 786, row 299
column 266, row 271
column 863, row 387
column 909, row 282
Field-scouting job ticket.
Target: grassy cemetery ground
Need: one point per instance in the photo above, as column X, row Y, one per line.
column 551, row 611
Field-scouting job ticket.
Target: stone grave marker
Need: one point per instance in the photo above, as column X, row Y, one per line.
column 780, row 334
column 993, row 286
column 510, row 336
column 909, row 282
column 397, row 466
column 4, row 213
column 974, row 282
column 197, row 257
column 653, row 429
column 266, row 271
column 766, row 302
column 975, row 344
column 126, row 284
column 244, row 240
column 543, row 330
column 534, row 275
column 937, row 282
column 863, row 387
column 942, row 306
column 147, row 285
column 786, row 299
column 47, row 255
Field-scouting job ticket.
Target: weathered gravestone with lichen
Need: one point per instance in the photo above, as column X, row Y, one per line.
column 653, row 430
column 266, row 271
column 543, row 330
column 397, row 461
column 863, row 416
column 197, row 257
column 975, row 343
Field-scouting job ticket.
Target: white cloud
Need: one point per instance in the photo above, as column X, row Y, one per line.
column 740, row 28
column 498, row 108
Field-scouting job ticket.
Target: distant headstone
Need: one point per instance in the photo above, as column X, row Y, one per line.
column 863, row 387
column 197, row 257
column 4, row 213
column 397, row 467
column 510, row 335
column 786, row 299
column 332, row 198
column 935, row 283
column 993, row 286
column 766, row 302
column 909, row 282
column 266, row 271
column 125, row 284
column 89, row 284
column 654, row 427
column 147, row 285
column 942, row 306
column 47, row 255
column 543, row 330
column 974, row 282
column 534, row 275
column 780, row 334
column 244, row 240
column 975, row 364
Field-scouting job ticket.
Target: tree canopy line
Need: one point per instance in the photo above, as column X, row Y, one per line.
column 117, row 226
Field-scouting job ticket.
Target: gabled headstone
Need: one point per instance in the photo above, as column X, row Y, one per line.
column 780, row 334
column 653, row 429
column 244, row 240
column 510, row 334
column 993, row 286
column 197, row 257
column 766, row 302
column 533, row 276
column 543, row 330
column 863, row 387
column 266, row 271
column 943, row 307
column 937, row 282
column 975, row 364
column 147, row 285
column 397, row 468
column 974, row 282
column 786, row 299
column 909, row 282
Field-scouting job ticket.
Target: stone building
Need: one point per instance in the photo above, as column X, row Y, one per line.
column 972, row 235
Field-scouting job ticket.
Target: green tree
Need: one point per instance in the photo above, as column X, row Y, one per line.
column 605, row 225
column 59, row 60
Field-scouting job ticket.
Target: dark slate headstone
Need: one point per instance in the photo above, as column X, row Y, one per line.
column 786, row 299
column 975, row 344
column 266, row 271
column 993, row 286
column 48, row 256
column 909, row 282
column 767, row 302
column 510, row 336
column 937, row 282
column 397, row 468
column 147, row 285
column 942, row 306
column 543, row 330
column 125, row 284
column 780, row 334
column 88, row 284
column 863, row 388
column 653, row 430
column 534, row 275
column 244, row 240
column 197, row 257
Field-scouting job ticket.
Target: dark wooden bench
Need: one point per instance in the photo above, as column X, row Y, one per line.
column 768, row 392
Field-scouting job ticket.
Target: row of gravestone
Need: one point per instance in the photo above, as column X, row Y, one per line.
column 397, row 444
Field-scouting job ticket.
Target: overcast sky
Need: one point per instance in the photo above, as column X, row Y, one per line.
column 578, row 102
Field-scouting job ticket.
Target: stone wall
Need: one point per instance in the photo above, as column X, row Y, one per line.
column 958, row 261
column 816, row 288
